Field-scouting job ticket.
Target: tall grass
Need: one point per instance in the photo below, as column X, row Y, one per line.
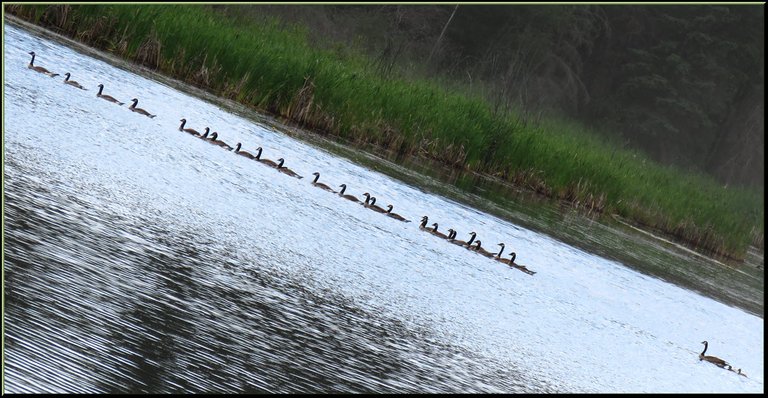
column 275, row 69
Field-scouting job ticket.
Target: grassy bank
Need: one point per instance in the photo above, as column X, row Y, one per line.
column 337, row 92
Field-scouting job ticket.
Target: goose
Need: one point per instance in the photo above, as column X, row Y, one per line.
column 72, row 82
column 243, row 153
column 139, row 110
column 711, row 359
column 264, row 161
column 286, row 170
column 190, row 131
column 435, row 232
column 220, row 143
column 320, row 184
column 395, row 215
column 511, row 263
column 370, row 202
column 39, row 68
column 348, row 197
column 107, row 97
column 423, row 224
column 477, row 248
column 452, row 238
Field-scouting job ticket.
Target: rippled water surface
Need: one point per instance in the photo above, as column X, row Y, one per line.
column 141, row 259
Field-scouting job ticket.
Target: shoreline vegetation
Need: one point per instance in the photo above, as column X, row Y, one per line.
column 338, row 94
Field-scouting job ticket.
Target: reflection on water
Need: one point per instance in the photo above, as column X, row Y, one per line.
column 129, row 307
column 140, row 259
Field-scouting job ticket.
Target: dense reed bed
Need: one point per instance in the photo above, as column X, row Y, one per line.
column 338, row 92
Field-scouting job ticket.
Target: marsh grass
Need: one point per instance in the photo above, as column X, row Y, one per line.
column 274, row 68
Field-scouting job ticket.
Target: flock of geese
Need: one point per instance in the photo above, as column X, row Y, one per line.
column 369, row 203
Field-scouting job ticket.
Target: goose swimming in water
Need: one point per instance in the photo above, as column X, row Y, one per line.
column 243, row 153
column 320, row 184
column 395, row 215
column 286, row 170
column 370, row 202
column 711, row 359
column 72, row 82
column 348, row 197
column 435, row 232
column 220, row 143
column 190, row 131
column 452, row 238
column 266, row 162
column 511, row 262
column 39, row 68
column 478, row 248
column 107, row 97
column 139, row 110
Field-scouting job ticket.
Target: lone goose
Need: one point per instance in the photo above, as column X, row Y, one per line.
column 107, row 97
column 264, row 161
column 511, row 263
column 370, row 202
column 220, row 143
column 711, row 359
column 395, row 215
column 435, row 232
column 139, row 110
column 348, row 197
column 452, row 238
column 286, row 170
column 243, row 153
column 39, row 68
column 478, row 248
column 72, row 82
column 320, row 184
column 190, row 131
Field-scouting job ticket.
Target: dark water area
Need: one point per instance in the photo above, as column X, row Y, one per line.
column 185, row 333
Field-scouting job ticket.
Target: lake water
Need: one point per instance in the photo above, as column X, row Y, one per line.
column 138, row 258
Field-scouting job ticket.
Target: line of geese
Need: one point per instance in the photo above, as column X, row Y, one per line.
column 477, row 248
column 213, row 138
column 75, row 84
column 369, row 203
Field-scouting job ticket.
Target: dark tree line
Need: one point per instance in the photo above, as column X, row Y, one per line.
column 684, row 83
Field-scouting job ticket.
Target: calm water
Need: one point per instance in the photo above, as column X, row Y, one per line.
column 140, row 259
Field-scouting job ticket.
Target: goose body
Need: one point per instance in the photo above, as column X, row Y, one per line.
column 39, row 68
column 479, row 249
column 220, row 143
column 511, row 263
column 139, row 110
column 190, row 131
column 395, row 215
column 370, row 202
column 72, row 82
column 106, row 97
column 711, row 359
column 452, row 238
column 320, row 184
column 286, row 170
column 243, row 153
column 266, row 162
column 348, row 197
column 437, row 233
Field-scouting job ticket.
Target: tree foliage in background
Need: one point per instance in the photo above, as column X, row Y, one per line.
column 684, row 83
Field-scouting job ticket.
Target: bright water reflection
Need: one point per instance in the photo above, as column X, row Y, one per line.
column 141, row 259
